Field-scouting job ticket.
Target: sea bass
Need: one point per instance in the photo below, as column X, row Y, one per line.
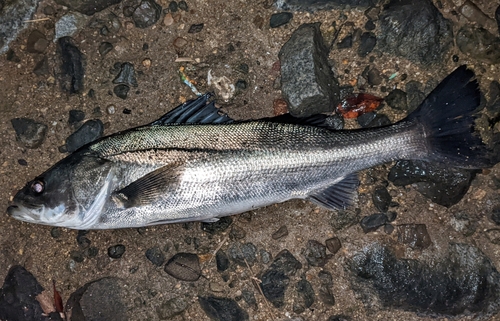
column 194, row 164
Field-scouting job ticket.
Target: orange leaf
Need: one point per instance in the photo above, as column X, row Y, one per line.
column 358, row 104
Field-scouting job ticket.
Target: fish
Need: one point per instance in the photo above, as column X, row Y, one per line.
column 197, row 164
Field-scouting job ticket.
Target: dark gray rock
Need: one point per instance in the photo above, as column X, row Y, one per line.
column 364, row 120
column 280, row 233
column 105, row 48
column 307, row 81
column 183, row 5
column 313, row 5
column 237, row 233
column 443, row 185
column 195, row 28
column 279, row 19
column 121, row 91
column 42, row 67
column 345, row 43
column 171, row 308
column 37, row 43
column 479, row 43
column 335, row 122
column 286, row 262
column 431, row 34
column 243, row 254
column 325, row 293
column 88, row 7
column 333, row 245
column 381, row 199
column 315, row 253
column 265, row 256
column 414, row 235
column 222, row 309
column 173, row 6
column 414, row 95
column 379, row 121
column 344, row 218
column 495, row 215
column 368, row 42
column 116, row 251
column 459, row 282
column 184, row 266
column 217, row 227
column 82, row 240
column 372, row 222
column 497, row 18
column 72, row 70
column 397, row 100
column 305, row 293
column 370, row 25
column 75, row 117
column 155, row 256
column 374, row 78
column 464, row 223
column 18, row 297
column 13, row 15
column 88, row 132
column 249, row 297
column 146, row 14
column 126, row 75
column 222, row 260
column 11, row 56
column 98, row 300
column 29, row 133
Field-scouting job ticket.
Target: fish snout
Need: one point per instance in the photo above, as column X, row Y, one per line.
column 11, row 209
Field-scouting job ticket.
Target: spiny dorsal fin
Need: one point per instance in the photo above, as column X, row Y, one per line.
column 148, row 188
column 195, row 111
column 338, row 196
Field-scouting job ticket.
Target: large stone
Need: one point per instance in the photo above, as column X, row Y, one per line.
column 307, row 81
column 88, row 7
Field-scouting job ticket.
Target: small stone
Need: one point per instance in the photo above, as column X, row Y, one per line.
column 397, row 100
column 29, row 134
column 41, row 67
column 146, row 14
column 222, row 309
column 493, row 235
column 372, row 222
column 180, row 42
column 222, row 261
column 146, row 63
column 155, row 255
column 388, row 228
column 368, row 42
column 315, row 253
column 306, row 293
column 374, row 78
column 72, row 66
column 22, row 162
column 127, row 111
column 173, row 6
column 495, row 215
column 273, row 284
column 75, row 117
column 249, row 297
column 344, row 218
column 195, row 28
column 121, row 91
column 56, row 232
column 370, row 25
column 11, row 56
column 91, row 252
column 116, row 251
column 88, row 132
column 128, row 11
column 244, row 68
column 345, row 43
column 415, row 235
column 48, row 10
column 463, row 223
column 280, row 107
column 168, row 20
column 241, row 84
column 265, row 256
column 243, row 254
column 479, row 43
column 77, row 256
column 171, row 308
column 217, row 227
column 237, row 233
column 279, row 19
column 365, row 119
column 258, row 22
column 391, row 216
column 455, row 58
column 126, row 76
column 280, row 233
column 111, row 109
column 381, row 199
column 82, row 240
column 184, row 267
column 216, row 287
column 105, row 48
column 333, row 245
column 183, row 5
column 36, row 42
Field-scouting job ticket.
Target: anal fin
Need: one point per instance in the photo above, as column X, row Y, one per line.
column 338, row 196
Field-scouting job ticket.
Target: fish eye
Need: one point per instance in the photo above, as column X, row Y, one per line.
column 38, row 186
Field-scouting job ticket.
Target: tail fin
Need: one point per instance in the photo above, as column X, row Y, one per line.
column 448, row 120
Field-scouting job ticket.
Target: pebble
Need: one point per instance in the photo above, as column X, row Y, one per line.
column 88, row 132
column 146, row 14
column 173, row 6
column 183, row 5
column 391, row 216
column 305, row 293
column 82, row 241
column 368, row 42
column 77, row 256
column 111, row 109
column 374, row 78
column 11, row 56
column 344, row 218
column 497, row 18
column 397, row 100
column 91, row 252
column 414, row 235
column 105, row 48
column 265, row 256
column 370, row 25
column 249, row 297
column 222, row 261
column 333, row 244
column 280, row 107
column 365, row 119
column 315, row 253
column 72, row 67
column 171, row 308
column 22, row 162
column 121, row 91
column 388, row 228
column 216, row 287
column 237, row 233
column 184, row 266
column 493, row 235
column 155, row 256
column 126, row 76
column 70, row 24
column 29, row 133
column 180, row 42
column 116, row 251
column 168, row 20
column 495, row 215
column 345, row 43
column 195, row 28
column 48, row 10
column 280, row 233
column 243, row 254
column 280, row 19
column 463, row 223
column 381, row 199
column 36, row 42
column 372, row 222
column 217, row 227
column 241, row 84
column 127, row 111
column 75, row 117
column 56, row 232
column 222, row 309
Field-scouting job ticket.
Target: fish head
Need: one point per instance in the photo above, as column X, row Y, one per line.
column 65, row 195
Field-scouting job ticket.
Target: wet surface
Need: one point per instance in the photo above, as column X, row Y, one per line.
column 287, row 261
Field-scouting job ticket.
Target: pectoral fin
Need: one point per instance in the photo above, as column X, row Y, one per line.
column 338, row 196
column 148, row 188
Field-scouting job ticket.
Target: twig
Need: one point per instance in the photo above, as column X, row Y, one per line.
column 37, row 20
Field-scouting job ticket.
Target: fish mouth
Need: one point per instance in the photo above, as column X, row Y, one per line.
column 21, row 213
